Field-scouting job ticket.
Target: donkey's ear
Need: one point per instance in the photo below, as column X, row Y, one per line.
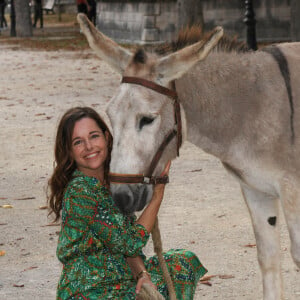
column 173, row 66
column 108, row 50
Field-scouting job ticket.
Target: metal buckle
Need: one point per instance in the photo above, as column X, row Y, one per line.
column 147, row 180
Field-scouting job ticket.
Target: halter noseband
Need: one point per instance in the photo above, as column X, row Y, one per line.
column 177, row 131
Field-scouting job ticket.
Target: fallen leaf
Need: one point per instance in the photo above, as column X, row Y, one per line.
column 30, row 268
column 43, row 207
column 7, row 206
column 197, row 170
column 207, row 277
column 206, row 282
column 51, row 224
column 2, row 252
column 250, row 245
column 25, row 198
column 221, row 216
column 226, row 276
column 18, row 285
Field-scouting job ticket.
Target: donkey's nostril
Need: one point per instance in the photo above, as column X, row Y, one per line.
column 143, row 196
column 130, row 198
column 124, row 202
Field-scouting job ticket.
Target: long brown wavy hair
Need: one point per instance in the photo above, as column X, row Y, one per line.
column 64, row 165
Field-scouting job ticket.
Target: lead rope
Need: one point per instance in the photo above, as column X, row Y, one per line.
column 157, row 245
column 147, row 292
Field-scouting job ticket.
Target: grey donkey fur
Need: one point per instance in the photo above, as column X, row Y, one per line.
column 242, row 107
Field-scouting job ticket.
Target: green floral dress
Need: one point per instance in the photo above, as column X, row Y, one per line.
column 96, row 238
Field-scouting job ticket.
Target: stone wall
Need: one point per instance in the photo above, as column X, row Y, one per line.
column 272, row 18
column 137, row 22
column 146, row 22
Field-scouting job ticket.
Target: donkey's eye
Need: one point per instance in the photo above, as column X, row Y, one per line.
column 145, row 121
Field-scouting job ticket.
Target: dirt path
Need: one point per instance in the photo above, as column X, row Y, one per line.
column 205, row 214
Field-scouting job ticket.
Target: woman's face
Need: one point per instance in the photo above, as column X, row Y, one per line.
column 89, row 148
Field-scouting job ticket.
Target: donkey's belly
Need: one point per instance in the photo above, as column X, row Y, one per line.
column 255, row 178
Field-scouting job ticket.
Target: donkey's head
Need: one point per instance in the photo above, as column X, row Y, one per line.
column 141, row 117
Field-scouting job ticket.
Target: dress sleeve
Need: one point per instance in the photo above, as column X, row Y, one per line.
column 96, row 208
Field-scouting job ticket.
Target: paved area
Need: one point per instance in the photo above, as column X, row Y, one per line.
column 203, row 209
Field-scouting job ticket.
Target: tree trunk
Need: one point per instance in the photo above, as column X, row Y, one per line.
column 190, row 12
column 23, row 18
column 295, row 20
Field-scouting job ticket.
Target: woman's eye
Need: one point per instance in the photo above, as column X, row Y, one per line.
column 145, row 121
column 95, row 136
column 77, row 143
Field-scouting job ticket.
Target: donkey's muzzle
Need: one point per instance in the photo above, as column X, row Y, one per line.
column 130, row 198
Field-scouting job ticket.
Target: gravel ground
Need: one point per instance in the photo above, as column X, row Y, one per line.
column 203, row 209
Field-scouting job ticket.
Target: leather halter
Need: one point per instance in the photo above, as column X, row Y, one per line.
column 177, row 131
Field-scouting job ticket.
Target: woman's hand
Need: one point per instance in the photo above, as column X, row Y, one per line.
column 159, row 188
column 148, row 216
column 144, row 279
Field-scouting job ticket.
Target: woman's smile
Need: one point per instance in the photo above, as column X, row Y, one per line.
column 92, row 155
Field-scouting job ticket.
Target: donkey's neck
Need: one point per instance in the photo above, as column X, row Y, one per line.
column 214, row 106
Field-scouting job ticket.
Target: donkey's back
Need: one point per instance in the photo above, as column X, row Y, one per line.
column 244, row 108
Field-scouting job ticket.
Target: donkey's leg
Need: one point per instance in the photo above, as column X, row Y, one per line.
column 264, row 214
column 290, row 197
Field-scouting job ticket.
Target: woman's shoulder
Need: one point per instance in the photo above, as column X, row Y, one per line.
column 82, row 182
column 82, row 186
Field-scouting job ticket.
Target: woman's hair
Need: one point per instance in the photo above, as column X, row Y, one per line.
column 64, row 163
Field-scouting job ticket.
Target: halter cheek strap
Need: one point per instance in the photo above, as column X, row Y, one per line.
column 177, row 131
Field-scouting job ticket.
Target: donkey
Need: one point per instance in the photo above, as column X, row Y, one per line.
column 240, row 106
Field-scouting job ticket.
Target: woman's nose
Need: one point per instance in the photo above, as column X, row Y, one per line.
column 88, row 144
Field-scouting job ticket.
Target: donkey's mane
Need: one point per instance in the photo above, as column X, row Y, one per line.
column 193, row 34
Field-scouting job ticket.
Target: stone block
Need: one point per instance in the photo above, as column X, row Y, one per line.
column 150, row 35
column 149, row 22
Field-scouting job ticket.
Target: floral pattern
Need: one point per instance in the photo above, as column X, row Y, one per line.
column 96, row 238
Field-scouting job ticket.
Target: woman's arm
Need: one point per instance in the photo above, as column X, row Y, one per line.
column 136, row 265
column 147, row 218
column 91, row 207
column 139, row 272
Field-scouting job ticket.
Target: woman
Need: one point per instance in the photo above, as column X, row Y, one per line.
column 99, row 247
